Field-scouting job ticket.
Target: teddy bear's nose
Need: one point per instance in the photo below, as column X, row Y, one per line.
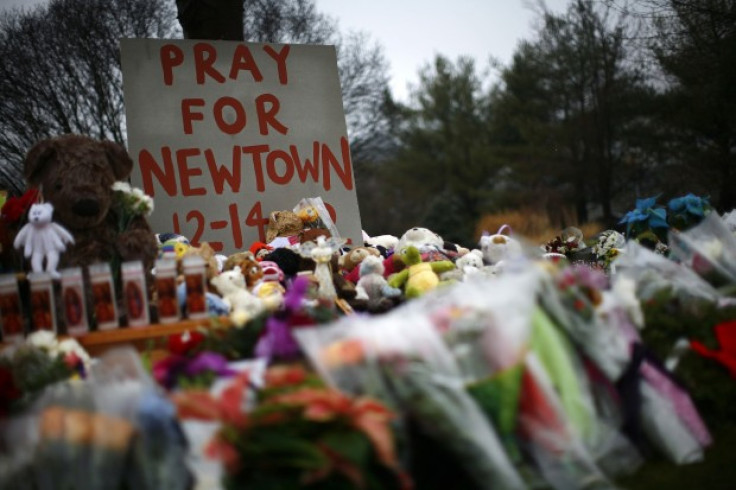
column 86, row 207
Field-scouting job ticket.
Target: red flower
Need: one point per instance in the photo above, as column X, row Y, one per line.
column 280, row 376
column 221, row 450
column 228, row 408
column 726, row 355
column 15, row 207
column 184, row 343
column 368, row 416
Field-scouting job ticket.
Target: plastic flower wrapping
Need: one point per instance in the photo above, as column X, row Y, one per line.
column 114, row 430
column 296, row 432
column 27, row 368
column 543, row 375
column 472, row 373
column 709, row 249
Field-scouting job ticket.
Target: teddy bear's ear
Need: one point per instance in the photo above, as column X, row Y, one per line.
column 36, row 161
column 119, row 159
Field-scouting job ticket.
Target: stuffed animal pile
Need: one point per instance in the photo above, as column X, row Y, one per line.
column 83, row 220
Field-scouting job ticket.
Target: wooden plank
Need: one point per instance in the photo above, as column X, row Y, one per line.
column 95, row 343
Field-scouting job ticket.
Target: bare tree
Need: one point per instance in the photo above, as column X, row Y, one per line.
column 362, row 66
column 211, row 19
column 60, row 71
column 60, row 66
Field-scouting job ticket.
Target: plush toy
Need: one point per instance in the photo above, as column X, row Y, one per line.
column 418, row 277
column 76, row 175
column 470, row 262
column 388, row 242
column 423, row 239
column 42, row 239
column 289, row 262
column 166, row 237
column 309, row 215
column 252, row 271
column 283, row 224
column 468, row 265
column 205, row 251
column 499, row 247
column 269, row 287
column 172, row 249
column 372, row 285
column 239, row 259
column 311, row 234
column 271, row 272
column 260, row 250
column 354, row 257
column 231, row 286
column 321, row 252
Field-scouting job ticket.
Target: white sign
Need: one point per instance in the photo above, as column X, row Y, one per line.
column 222, row 133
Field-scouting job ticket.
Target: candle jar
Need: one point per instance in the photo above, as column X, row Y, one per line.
column 103, row 296
column 72, row 296
column 11, row 312
column 135, row 293
column 195, row 280
column 166, row 298
column 43, row 307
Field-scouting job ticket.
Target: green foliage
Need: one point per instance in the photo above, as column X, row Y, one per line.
column 667, row 319
column 695, row 44
column 235, row 343
column 446, row 161
column 301, row 434
column 567, row 105
column 32, row 370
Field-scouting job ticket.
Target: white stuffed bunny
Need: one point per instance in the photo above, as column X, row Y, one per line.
column 499, row 247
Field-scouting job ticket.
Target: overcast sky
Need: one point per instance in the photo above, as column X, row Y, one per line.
column 412, row 32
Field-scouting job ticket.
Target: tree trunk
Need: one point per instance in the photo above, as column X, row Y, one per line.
column 726, row 194
column 211, row 19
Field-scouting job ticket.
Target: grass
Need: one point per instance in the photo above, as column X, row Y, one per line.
column 534, row 225
column 716, row 472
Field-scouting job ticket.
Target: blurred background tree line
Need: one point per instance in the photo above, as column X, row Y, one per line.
column 608, row 101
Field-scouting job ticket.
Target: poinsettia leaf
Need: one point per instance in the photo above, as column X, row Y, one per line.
column 677, row 204
column 351, row 445
column 285, row 449
column 658, row 218
column 695, row 209
column 646, row 203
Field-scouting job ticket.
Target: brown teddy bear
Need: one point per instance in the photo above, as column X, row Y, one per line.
column 353, row 258
column 76, row 173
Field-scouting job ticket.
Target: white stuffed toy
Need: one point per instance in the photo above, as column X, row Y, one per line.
column 372, row 285
column 499, row 247
column 231, row 286
column 388, row 242
column 470, row 263
column 42, row 239
column 423, row 239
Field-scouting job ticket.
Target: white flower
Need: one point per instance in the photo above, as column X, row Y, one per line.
column 45, row 340
column 624, row 289
column 133, row 199
column 713, row 249
column 607, row 241
column 120, row 186
column 71, row 346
